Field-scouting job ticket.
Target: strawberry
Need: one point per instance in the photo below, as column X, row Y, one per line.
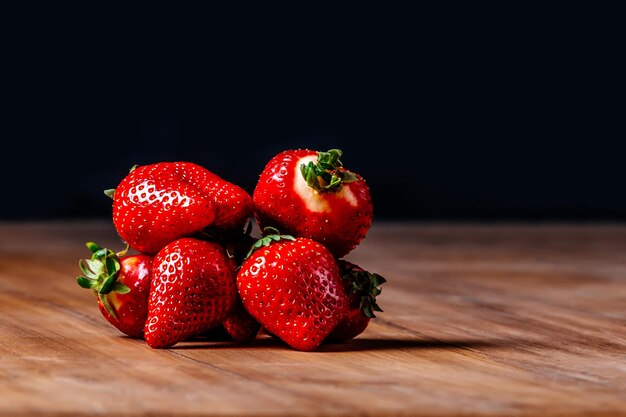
column 159, row 203
column 362, row 287
column 293, row 288
column 122, row 284
column 192, row 290
column 309, row 194
column 240, row 325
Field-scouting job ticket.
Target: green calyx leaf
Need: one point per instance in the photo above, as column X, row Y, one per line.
column 328, row 173
column 101, row 273
column 105, row 302
column 270, row 234
column 93, row 247
column 120, row 288
column 107, row 284
column 364, row 286
column 85, row 282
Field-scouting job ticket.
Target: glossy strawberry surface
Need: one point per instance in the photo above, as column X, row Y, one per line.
column 192, row 290
column 131, row 309
column 240, row 325
column 362, row 288
column 294, row 289
column 158, row 203
column 339, row 217
column 233, row 205
column 350, row 327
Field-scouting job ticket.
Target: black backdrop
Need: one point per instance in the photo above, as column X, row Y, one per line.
column 453, row 118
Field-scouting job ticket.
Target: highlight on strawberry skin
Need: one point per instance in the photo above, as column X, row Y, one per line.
column 121, row 284
column 192, row 290
column 158, row 203
column 293, row 288
column 362, row 287
column 311, row 194
column 197, row 273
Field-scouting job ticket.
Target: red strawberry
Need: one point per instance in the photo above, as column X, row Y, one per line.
column 192, row 290
column 309, row 194
column 240, row 325
column 294, row 289
column 362, row 288
column 122, row 284
column 156, row 204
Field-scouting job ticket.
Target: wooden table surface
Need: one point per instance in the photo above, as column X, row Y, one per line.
column 479, row 320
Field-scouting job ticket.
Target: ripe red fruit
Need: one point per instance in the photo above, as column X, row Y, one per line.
column 192, row 290
column 156, row 204
column 362, row 287
column 294, row 289
column 309, row 194
column 240, row 325
column 122, row 284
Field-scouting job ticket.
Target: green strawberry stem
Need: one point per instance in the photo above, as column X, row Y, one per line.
column 101, row 273
column 328, row 174
column 365, row 286
column 270, row 234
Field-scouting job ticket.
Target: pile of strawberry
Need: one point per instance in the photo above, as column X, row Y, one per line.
column 200, row 273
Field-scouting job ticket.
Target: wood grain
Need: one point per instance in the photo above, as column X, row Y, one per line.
column 479, row 320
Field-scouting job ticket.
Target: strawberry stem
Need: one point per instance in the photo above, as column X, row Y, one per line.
column 328, row 173
column 101, row 273
column 364, row 285
column 270, row 234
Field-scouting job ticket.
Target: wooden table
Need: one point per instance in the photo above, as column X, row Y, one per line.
column 480, row 320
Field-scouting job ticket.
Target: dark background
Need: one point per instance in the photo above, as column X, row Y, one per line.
column 454, row 114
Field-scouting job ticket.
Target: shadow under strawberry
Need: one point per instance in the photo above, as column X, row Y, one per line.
column 356, row 345
column 261, row 342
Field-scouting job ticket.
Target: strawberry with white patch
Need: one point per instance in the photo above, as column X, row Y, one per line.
column 121, row 283
column 310, row 194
